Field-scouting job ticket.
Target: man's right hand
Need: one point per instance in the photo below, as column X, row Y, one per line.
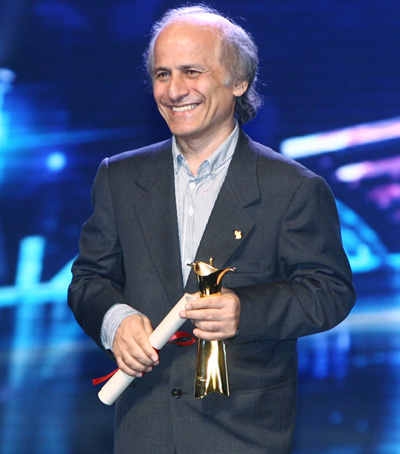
column 132, row 349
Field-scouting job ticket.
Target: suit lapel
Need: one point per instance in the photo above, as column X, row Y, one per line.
column 156, row 212
column 229, row 223
column 227, row 228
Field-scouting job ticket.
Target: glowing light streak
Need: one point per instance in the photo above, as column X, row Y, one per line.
column 29, row 295
column 339, row 139
column 33, row 141
column 30, row 261
column 28, row 289
column 373, row 319
column 363, row 246
column 6, row 79
column 369, row 169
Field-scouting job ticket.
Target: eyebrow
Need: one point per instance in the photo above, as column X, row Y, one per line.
column 181, row 67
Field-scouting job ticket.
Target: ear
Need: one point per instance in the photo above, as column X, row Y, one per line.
column 240, row 88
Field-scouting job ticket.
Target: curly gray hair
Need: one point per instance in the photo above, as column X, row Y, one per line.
column 239, row 55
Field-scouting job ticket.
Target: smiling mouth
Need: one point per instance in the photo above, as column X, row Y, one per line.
column 184, row 108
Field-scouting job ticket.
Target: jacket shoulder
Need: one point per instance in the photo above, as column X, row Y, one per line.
column 140, row 154
column 274, row 165
column 125, row 167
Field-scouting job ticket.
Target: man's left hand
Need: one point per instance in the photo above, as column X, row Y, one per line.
column 216, row 317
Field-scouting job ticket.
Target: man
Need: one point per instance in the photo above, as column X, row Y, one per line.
column 210, row 191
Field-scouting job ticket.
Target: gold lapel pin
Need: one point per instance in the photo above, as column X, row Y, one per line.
column 238, row 234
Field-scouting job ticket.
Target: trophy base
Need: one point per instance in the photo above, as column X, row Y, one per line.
column 211, row 372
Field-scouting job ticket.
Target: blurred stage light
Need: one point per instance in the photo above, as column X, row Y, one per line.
column 369, row 169
column 339, row 139
column 56, row 161
column 29, row 289
column 7, row 77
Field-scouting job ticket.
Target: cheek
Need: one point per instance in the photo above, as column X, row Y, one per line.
column 216, row 91
column 157, row 92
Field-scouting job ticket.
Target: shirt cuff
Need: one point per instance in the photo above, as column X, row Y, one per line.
column 111, row 321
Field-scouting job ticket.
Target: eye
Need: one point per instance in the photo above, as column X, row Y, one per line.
column 192, row 72
column 161, row 75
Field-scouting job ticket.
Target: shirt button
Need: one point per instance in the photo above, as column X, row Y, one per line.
column 176, row 393
column 192, row 185
column 191, row 211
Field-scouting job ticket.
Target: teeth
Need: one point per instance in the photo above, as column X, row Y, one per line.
column 184, row 108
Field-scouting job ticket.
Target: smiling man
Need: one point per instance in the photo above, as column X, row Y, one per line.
column 192, row 89
column 209, row 191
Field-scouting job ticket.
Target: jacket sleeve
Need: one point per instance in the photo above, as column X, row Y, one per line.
column 98, row 272
column 314, row 292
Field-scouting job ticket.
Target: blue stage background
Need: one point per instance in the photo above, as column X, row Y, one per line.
column 73, row 91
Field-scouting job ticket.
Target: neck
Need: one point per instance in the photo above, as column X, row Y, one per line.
column 196, row 151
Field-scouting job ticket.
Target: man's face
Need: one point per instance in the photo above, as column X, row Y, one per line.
column 189, row 82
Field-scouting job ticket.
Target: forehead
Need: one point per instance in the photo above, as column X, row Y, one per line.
column 195, row 38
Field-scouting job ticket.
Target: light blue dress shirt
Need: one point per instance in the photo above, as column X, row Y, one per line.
column 195, row 198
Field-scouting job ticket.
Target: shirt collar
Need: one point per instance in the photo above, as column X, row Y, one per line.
column 212, row 164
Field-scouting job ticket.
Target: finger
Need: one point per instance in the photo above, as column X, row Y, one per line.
column 134, row 360
column 142, row 350
column 208, row 302
column 209, row 336
column 201, row 314
column 136, row 336
column 216, row 327
column 146, row 346
column 129, row 351
column 131, row 370
column 226, row 328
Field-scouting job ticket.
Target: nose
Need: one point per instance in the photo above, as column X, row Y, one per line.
column 177, row 88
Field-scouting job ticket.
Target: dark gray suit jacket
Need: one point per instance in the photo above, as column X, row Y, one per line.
column 293, row 279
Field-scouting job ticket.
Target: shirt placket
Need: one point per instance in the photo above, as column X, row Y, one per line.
column 190, row 216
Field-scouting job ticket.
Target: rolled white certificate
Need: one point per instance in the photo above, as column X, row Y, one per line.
column 117, row 384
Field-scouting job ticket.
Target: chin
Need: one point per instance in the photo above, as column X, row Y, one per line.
column 182, row 132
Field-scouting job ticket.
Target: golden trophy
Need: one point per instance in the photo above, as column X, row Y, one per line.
column 211, row 369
